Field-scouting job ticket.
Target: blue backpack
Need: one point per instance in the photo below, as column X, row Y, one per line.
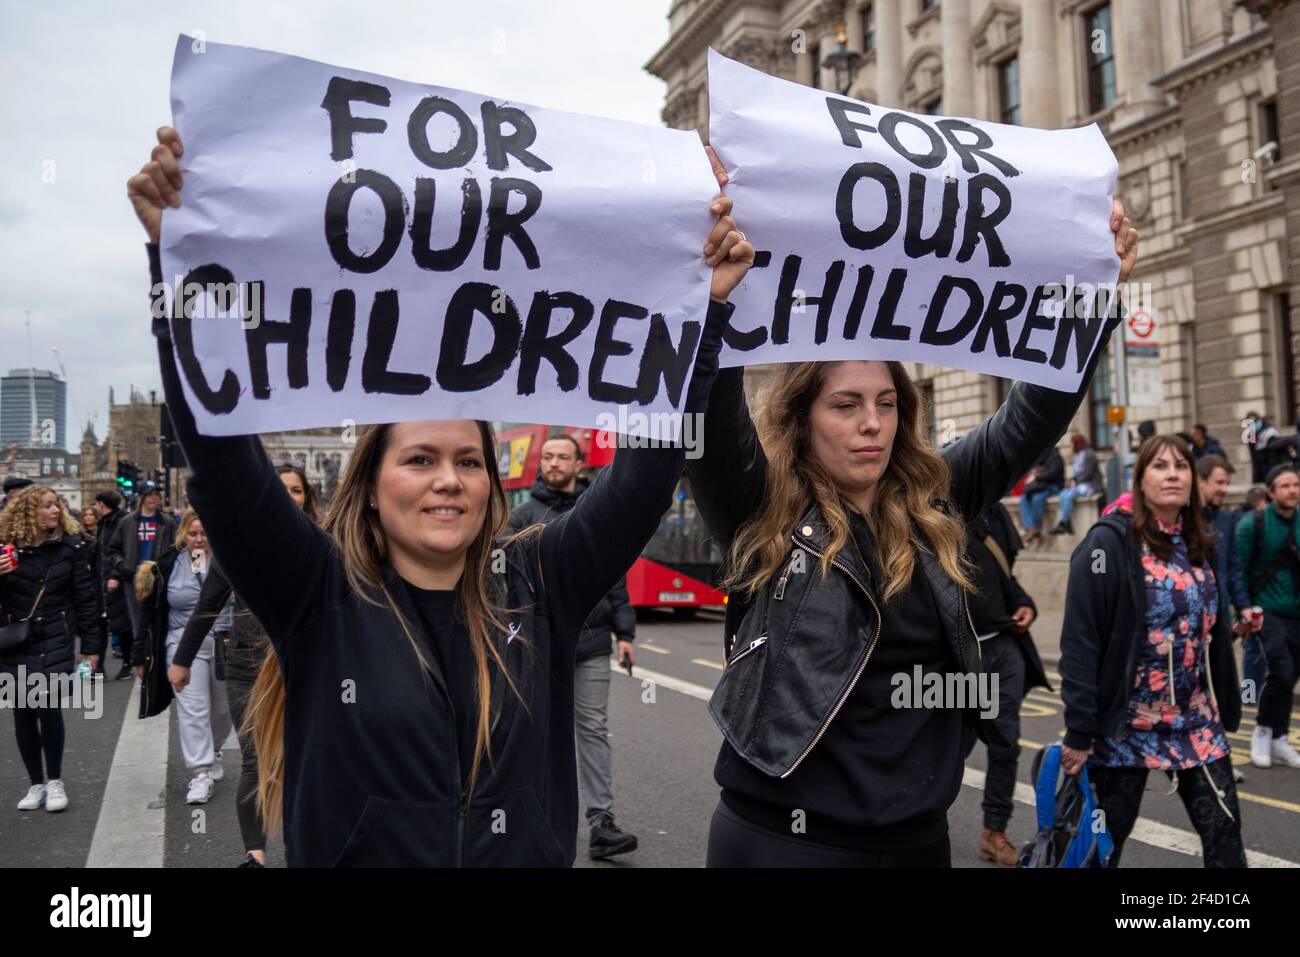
column 1066, row 812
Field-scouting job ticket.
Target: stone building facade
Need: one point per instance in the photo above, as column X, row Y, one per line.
column 323, row 453
column 1187, row 93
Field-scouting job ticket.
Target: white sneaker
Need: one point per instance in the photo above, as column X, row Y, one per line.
column 34, row 799
column 218, row 770
column 1282, row 751
column 200, row 789
column 1260, row 753
column 56, row 798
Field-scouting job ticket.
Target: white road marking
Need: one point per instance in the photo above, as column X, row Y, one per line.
column 667, row 681
column 1145, row 831
column 132, row 817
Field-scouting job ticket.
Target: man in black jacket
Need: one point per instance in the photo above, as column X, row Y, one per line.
column 554, row 492
column 140, row 537
column 108, row 508
column 1002, row 612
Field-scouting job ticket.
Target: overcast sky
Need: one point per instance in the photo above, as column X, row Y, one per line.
column 87, row 86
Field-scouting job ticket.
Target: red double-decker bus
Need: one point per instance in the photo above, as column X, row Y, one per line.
column 678, row 568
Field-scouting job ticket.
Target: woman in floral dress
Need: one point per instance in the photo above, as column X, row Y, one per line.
column 1148, row 676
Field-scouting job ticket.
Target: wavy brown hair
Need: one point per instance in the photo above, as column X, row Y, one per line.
column 363, row 549
column 904, row 517
column 19, row 522
column 1199, row 544
column 311, row 500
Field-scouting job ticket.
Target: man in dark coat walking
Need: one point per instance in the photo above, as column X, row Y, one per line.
column 554, row 492
column 108, row 507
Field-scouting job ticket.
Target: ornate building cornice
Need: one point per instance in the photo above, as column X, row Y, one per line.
column 771, row 54
column 824, row 17
column 998, row 30
column 1214, row 64
column 1128, row 139
column 700, row 27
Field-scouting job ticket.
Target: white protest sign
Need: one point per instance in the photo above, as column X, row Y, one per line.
column 884, row 234
column 354, row 247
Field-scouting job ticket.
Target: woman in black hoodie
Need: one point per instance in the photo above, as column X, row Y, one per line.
column 418, row 709
column 843, row 533
column 48, row 581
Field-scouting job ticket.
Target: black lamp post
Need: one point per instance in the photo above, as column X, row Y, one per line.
column 843, row 61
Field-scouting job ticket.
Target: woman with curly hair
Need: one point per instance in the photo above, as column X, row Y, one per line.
column 46, row 579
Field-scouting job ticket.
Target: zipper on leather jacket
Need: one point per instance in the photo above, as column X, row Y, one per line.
column 753, row 645
column 862, row 665
column 779, row 593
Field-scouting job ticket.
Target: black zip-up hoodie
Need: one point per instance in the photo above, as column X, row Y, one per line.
column 371, row 772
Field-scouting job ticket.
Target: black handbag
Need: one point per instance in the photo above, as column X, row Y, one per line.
column 156, row 692
column 17, row 633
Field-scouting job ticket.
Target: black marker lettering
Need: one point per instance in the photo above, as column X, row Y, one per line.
column 477, row 298
column 539, row 344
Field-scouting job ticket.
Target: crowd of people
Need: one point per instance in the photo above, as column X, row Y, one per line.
column 420, row 677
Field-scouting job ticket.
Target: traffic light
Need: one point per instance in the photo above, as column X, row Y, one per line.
column 128, row 477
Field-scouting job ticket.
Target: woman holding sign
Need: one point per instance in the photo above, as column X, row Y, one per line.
column 425, row 716
column 848, row 634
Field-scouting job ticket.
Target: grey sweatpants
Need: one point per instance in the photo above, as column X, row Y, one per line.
column 595, row 761
column 202, row 712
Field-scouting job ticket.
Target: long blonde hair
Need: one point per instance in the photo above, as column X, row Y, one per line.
column 363, row 549
column 903, row 518
column 20, row 521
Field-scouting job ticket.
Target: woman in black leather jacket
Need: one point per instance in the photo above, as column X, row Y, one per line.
column 843, row 531
column 51, row 583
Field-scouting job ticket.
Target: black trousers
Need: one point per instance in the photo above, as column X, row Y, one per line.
column 40, row 734
column 736, row 842
column 1001, row 655
column 241, row 671
column 1280, row 639
column 1119, row 792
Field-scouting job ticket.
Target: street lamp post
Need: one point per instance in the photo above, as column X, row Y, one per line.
column 843, row 62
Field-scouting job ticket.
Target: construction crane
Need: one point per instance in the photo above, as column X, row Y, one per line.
column 34, row 436
column 73, row 404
